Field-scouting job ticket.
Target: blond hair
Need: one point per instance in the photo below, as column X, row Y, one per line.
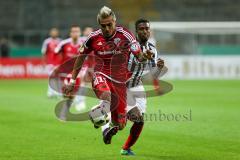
column 104, row 13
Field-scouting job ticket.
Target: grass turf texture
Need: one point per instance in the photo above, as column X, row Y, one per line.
column 29, row 129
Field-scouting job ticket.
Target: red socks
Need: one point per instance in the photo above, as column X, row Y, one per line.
column 134, row 134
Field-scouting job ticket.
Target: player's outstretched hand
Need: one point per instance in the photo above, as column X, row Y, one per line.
column 160, row 63
column 148, row 55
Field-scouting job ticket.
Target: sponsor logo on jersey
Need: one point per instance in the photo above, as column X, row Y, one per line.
column 109, row 52
column 117, row 40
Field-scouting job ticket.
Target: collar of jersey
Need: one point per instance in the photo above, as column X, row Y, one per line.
column 111, row 36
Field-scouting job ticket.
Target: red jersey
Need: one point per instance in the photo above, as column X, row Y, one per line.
column 68, row 49
column 48, row 48
column 112, row 54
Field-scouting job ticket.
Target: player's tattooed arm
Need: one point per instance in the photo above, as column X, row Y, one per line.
column 78, row 65
column 68, row 90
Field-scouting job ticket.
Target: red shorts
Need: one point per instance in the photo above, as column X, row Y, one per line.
column 118, row 103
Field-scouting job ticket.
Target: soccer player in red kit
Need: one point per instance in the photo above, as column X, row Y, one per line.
column 136, row 96
column 68, row 49
column 111, row 46
column 51, row 59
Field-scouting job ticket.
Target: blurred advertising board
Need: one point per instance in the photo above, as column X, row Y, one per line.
column 202, row 67
column 15, row 68
column 179, row 67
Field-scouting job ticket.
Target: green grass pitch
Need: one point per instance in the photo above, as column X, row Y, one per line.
column 29, row 129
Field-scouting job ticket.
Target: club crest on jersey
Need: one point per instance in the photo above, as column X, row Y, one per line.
column 117, row 40
column 134, row 47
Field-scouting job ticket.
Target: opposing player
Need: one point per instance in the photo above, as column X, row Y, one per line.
column 111, row 46
column 68, row 49
column 49, row 57
column 136, row 98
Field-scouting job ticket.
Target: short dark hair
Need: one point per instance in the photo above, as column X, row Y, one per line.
column 75, row 26
column 141, row 20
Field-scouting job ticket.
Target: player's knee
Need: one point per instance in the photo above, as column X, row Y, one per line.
column 135, row 115
column 141, row 123
column 121, row 125
column 137, row 118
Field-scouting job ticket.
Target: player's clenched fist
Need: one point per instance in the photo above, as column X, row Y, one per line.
column 160, row 63
column 69, row 88
column 148, row 55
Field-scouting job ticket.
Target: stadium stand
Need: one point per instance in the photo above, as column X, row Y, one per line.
column 19, row 24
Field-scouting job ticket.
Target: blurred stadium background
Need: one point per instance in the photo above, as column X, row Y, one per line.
column 26, row 23
column 199, row 41
column 191, row 28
